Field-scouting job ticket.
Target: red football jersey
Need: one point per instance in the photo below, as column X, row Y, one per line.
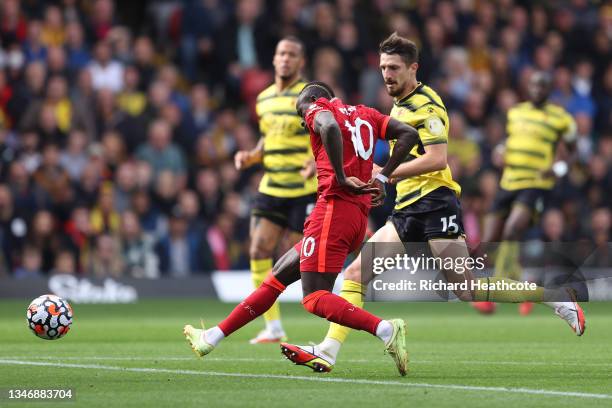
column 360, row 126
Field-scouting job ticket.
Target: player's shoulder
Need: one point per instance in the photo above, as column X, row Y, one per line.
column 555, row 109
column 333, row 105
column 365, row 110
column 297, row 87
column 266, row 93
column 271, row 91
column 430, row 93
column 320, row 105
column 520, row 108
column 423, row 98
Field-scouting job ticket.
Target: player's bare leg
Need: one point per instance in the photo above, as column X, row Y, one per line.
column 265, row 236
column 561, row 300
column 509, row 232
column 493, row 227
column 285, row 272
column 319, row 300
column 508, row 261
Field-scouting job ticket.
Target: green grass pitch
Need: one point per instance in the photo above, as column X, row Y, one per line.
column 136, row 356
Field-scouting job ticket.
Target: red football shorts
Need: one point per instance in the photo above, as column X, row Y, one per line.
column 334, row 229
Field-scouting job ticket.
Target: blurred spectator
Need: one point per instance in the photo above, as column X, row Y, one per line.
column 245, row 39
column 565, row 95
column 106, row 260
column 50, row 175
column 197, row 29
column 190, row 205
column 13, row 25
column 80, row 235
column 144, row 55
column 42, row 236
column 113, row 150
column 102, row 19
column 165, row 192
column 160, row 152
column 201, row 113
column 104, row 218
column 78, row 53
column 64, row 264
column 553, row 226
column 180, row 253
column 150, row 218
column 120, row 41
column 138, row 252
column 208, row 188
column 34, row 48
column 131, row 99
column 106, row 73
column 31, row 263
column 52, row 33
column 74, row 158
column 125, row 186
column 27, row 197
column 56, row 61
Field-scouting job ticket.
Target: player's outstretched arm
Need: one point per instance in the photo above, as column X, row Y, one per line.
column 326, row 126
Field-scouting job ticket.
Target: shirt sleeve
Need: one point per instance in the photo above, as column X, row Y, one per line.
column 431, row 124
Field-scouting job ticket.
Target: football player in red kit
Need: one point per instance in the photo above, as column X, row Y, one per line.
column 343, row 139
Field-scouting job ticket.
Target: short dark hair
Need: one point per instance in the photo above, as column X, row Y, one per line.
column 318, row 89
column 396, row 44
column 294, row 39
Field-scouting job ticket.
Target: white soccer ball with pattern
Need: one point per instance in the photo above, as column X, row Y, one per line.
column 49, row 317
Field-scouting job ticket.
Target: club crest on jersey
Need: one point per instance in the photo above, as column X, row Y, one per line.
column 434, row 125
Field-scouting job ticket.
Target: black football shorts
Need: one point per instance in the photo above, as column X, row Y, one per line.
column 434, row 216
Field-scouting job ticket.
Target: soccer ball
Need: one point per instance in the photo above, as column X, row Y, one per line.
column 49, row 317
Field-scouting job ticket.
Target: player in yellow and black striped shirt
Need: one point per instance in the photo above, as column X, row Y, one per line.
column 427, row 209
column 536, row 129
column 287, row 191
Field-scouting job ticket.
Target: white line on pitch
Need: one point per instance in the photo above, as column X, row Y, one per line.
column 349, row 360
column 315, row 379
column 139, row 358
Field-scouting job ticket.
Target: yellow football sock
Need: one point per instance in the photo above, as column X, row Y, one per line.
column 507, row 261
column 507, row 296
column 260, row 268
column 352, row 292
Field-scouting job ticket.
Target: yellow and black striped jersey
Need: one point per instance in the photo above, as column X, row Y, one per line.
column 533, row 134
column 424, row 110
column 286, row 147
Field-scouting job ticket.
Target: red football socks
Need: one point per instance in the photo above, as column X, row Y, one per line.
column 337, row 310
column 253, row 306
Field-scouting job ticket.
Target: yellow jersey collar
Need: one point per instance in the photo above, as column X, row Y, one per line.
column 405, row 98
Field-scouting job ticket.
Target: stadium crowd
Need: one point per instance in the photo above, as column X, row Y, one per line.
column 118, row 123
